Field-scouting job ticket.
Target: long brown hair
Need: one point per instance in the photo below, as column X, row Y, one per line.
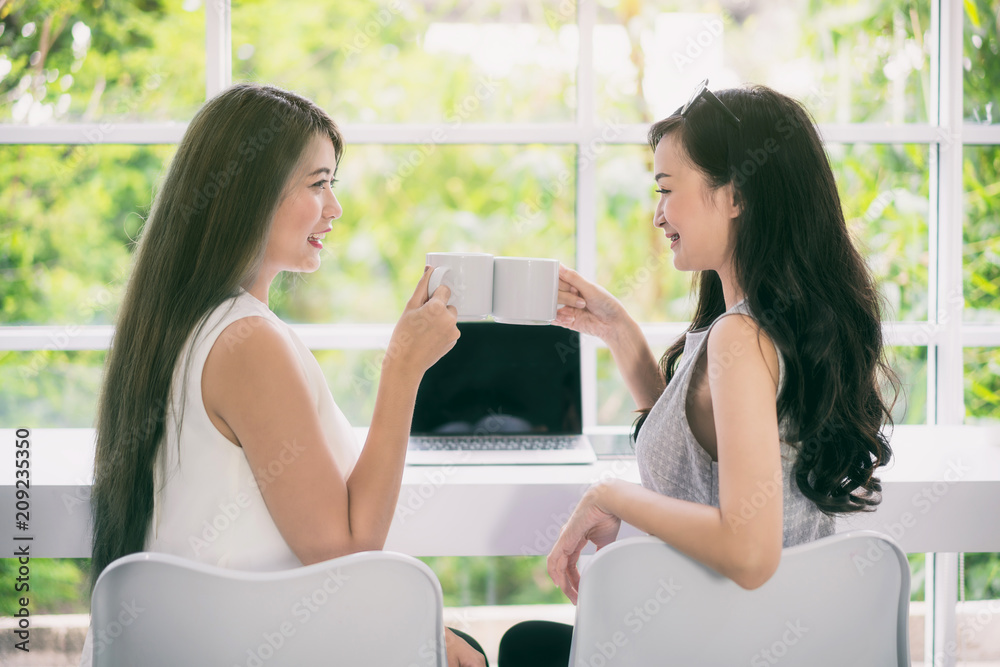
column 807, row 285
column 204, row 239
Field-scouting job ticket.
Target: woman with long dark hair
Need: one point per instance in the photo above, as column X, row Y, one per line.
column 217, row 437
column 773, row 394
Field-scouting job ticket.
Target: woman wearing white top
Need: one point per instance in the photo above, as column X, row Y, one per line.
column 211, row 406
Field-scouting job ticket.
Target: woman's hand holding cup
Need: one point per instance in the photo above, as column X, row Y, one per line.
column 425, row 332
column 587, row 307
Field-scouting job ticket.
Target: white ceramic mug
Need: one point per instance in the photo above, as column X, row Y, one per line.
column 515, row 290
column 525, row 290
column 469, row 276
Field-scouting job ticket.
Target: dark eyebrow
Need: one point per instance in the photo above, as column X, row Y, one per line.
column 321, row 170
column 660, row 175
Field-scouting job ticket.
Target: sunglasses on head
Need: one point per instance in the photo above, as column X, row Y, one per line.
column 702, row 91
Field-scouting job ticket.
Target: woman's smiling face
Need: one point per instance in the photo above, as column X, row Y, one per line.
column 695, row 218
column 305, row 212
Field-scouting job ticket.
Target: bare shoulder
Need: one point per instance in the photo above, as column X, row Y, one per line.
column 247, row 334
column 251, row 365
column 737, row 341
column 249, row 346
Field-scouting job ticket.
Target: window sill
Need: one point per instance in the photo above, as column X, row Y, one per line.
column 938, row 495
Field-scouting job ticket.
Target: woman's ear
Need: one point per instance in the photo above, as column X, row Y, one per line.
column 731, row 201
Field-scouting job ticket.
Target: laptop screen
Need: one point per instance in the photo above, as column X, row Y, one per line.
column 503, row 379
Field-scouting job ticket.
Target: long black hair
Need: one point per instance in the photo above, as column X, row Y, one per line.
column 204, row 239
column 805, row 282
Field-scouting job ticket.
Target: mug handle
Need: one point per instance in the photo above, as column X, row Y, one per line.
column 437, row 277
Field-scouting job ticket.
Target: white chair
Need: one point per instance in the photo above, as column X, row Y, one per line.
column 839, row 601
column 370, row 608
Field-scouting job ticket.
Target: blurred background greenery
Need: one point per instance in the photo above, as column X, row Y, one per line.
column 69, row 213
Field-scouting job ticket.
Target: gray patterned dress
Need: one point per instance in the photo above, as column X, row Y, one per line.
column 672, row 462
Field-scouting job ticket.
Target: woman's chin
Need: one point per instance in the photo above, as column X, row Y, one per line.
column 308, row 266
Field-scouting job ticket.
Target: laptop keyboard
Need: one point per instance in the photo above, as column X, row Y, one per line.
column 493, row 443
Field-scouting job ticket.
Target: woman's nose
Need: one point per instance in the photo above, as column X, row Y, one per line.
column 333, row 208
column 658, row 218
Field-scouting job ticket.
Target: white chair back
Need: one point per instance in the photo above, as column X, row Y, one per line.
column 369, row 608
column 841, row 600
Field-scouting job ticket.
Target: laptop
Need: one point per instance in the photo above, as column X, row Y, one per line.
column 505, row 394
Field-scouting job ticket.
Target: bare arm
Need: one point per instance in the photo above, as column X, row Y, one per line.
column 742, row 538
column 256, row 387
column 636, row 363
column 590, row 309
column 373, row 487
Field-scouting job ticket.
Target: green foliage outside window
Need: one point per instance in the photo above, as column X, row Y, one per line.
column 68, row 214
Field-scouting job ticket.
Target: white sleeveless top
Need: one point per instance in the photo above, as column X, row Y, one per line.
column 208, row 506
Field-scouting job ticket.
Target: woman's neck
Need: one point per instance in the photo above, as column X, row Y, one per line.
column 261, row 286
column 731, row 292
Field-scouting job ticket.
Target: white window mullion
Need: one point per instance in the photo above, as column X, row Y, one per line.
column 581, row 131
column 108, row 132
column 942, row 568
column 55, row 337
column 933, row 226
column 375, row 336
column 877, row 133
column 951, row 404
column 933, row 115
column 218, row 48
column 586, row 195
column 982, row 335
column 979, row 133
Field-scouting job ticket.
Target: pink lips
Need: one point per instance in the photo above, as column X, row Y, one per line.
column 318, row 243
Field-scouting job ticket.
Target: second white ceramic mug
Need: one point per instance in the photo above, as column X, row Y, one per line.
column 515, row 290
column 525, row 290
